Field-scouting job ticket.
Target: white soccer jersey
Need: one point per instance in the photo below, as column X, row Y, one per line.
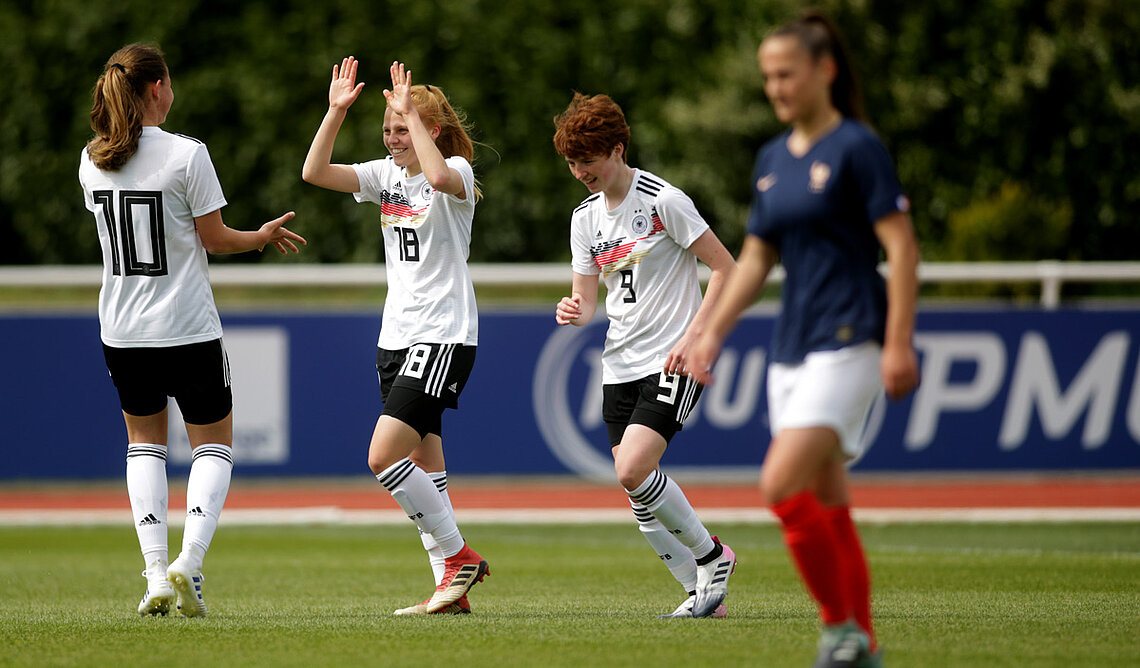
column 427, row 239
column 156, row 284
column 640, row 249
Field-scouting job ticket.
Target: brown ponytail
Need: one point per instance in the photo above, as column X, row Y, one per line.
column 118, row 104
column 820, row 36
column 454, row 131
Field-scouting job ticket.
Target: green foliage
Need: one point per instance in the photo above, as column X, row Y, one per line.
column 967, row 96
column 945, row 595
column 1014, row 224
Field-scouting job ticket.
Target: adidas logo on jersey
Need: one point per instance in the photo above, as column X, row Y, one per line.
column 454, row 387
column 149, row 520
column 196, row 512
column 598, row 235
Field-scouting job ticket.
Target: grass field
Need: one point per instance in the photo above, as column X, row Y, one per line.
column 946, row 595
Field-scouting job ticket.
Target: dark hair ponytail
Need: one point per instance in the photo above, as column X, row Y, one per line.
column 118, row 104
column 819, row 35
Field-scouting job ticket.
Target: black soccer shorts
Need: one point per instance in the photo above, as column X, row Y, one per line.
column 197, row 375
column 661, row 402
column 419, row 382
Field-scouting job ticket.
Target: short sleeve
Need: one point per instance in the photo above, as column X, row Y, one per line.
column 84, row 165
column 467, row 173
column 372, row 176
column 582, row 260
column 203, row 190
column 874, row 175
column 680, row 216
column 756, row 217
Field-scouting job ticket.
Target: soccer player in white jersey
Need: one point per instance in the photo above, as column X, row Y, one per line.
column 825, row 204
column 157, row 205
column 427, row 192
column 643, row 238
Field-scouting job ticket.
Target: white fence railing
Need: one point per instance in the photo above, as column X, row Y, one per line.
column 1050, row 274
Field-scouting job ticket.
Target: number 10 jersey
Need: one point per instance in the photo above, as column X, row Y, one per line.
column 156, row 283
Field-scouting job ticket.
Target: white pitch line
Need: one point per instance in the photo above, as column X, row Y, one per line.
column 332, row 515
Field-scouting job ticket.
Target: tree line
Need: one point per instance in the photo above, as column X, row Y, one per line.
column 1015, row 124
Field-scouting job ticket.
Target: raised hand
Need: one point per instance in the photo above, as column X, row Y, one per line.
column 344, row 90
column 400, row 97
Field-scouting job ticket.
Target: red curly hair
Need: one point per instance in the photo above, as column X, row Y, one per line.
column 591, row 126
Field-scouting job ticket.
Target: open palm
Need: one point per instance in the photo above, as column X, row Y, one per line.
column 344, row 90
column 400, row 97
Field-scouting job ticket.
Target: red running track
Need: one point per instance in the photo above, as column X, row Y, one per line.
column 475, row 493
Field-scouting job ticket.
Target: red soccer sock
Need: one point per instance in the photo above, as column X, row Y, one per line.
column 809, row 537
column 853, row 567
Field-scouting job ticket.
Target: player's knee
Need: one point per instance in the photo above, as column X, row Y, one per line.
column 774, row 487
column 379, row 462
column 631, row 474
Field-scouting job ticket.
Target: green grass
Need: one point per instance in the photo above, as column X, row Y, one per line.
column 946, row 595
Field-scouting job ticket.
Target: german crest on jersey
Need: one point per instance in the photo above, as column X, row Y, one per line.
column 640, row 224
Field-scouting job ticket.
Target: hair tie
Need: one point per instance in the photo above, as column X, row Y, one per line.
column 428, row 87
column 121, row 68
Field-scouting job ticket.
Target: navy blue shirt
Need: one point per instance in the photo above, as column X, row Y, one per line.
column 819, row 211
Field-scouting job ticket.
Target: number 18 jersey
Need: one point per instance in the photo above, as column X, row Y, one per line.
column 640, row 250
column 427, row 239
column 156, row 283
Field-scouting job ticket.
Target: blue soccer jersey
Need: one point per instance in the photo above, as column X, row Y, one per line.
column 819, row 211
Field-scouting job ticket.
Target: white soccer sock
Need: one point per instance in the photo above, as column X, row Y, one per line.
column 435, row 552
column 206, row 489
column 662, row 497
column 422, row 503
column 676, row 557
column 146, row 487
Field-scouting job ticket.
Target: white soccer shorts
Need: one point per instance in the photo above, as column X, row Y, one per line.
column 830, row 388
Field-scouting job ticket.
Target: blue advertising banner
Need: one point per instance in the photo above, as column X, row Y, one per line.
column 1001, row 390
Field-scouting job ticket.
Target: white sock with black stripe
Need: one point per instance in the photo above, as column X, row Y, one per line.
column 676, row 557
column 435, row 552
column 422, row 503
column 147, row 489
column 662, row 497
column 210, row 470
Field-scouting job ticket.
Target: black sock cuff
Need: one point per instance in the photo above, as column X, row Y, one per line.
column 712, row 556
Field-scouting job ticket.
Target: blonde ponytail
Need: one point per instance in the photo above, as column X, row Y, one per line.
column 118, row 104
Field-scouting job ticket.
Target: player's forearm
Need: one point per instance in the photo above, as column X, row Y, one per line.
column 228, row 241
column 432, row 162
column 741, row 288
column 902, row 294
column 318, row 161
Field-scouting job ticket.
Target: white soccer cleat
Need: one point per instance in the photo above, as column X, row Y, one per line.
column 712, row 581
column 461, row 573
column 685, row 610
column 159, row 595
column 187, row 582
column 460, row 607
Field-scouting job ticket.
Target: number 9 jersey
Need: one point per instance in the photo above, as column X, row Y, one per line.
column 156, row 284
column 640, row 249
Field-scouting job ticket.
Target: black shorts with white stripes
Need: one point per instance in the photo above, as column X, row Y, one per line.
column 197, row 375
column 419, row 382
column 661, row 402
